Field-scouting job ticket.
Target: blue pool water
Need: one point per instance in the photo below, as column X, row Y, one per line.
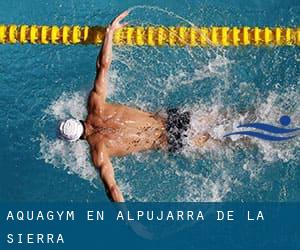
column 42, row 84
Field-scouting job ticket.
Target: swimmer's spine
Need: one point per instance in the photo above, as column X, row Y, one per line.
column 152, row 36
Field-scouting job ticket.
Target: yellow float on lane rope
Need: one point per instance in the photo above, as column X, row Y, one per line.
column 152, row 35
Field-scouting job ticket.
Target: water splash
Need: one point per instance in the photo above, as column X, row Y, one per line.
column 74, row 158
column 215, row 85
column 192, row 185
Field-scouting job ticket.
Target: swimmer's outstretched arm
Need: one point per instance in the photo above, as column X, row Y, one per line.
column 105, row 56
column 103, row 164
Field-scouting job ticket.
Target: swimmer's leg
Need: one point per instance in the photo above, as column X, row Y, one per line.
column 200, row 140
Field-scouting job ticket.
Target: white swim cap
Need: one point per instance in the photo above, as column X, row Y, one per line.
column 70, row 130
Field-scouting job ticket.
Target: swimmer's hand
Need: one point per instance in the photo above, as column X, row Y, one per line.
column 105, row 57
column 115, row 24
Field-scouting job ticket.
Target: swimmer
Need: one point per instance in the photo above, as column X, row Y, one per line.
column 114, row 130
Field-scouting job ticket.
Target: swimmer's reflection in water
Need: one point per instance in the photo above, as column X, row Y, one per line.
column 116, row 130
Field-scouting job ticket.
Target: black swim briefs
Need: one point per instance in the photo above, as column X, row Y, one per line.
column 177, row 124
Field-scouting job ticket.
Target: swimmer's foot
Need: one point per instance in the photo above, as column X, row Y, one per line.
column 200, row 140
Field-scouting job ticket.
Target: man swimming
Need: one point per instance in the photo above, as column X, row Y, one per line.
column 117, row 130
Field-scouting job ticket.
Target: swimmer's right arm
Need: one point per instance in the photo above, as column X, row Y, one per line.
column 103, row 164
column 105, row 56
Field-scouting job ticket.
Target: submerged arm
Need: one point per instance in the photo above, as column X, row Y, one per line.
column 103, row 164
column 105, row 56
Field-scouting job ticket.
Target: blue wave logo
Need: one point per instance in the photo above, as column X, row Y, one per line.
column 279, row 133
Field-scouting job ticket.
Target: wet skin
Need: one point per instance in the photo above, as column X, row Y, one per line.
column 118, row 130
column 123, row 130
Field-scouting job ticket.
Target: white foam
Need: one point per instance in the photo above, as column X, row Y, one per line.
column 72, row 157
column 216, row 121
column 68, row 105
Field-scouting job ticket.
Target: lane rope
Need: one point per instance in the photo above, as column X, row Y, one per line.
column 152, row 35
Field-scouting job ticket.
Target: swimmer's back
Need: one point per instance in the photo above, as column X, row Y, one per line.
column 126, row 130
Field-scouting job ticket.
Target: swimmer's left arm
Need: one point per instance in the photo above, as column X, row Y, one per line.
column 105, row 56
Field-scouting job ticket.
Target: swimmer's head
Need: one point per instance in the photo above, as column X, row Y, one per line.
column 70, row 130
